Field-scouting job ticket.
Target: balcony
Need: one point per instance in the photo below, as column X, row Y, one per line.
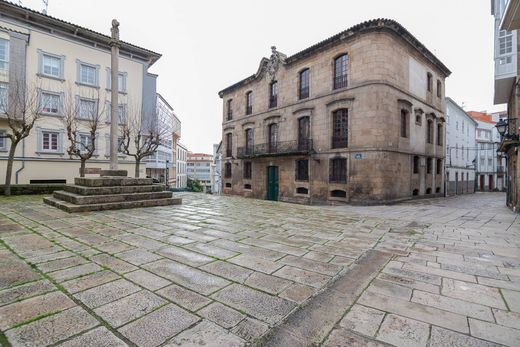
column 340, row 81
column 276, row 149
column 304, row 93
column 273, row 101
column 229, row 114
column 249, row 110
column 339, row 142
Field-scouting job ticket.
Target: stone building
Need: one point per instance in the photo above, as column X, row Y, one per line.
column 461, row 150
column 358, row 117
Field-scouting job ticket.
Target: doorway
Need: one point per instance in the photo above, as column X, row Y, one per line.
column 272, row 183
column 481, row 183
column 490, row 185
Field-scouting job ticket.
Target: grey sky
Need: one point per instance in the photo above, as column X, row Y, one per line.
column 209, row 45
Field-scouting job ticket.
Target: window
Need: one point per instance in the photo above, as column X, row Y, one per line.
column 415, row 164
column 338, row 170
column 84, row 142
column 429, row 163
column 4, row 54
column 429, row 81
column 340, row 129
column 247, row 170
column 273, row 94
column 227, row 170
column 428, row 190
column 340, row 71
column 87, row 74
column 302, row 190
column 3, row 140
column 121, row 81
column 490, row 162
column 230, row 109
column 505, row 40
column 229, row 145
column 439, row 166
column 304, row 84
column 429, row 131
column 86, row 109
column 249, row 102
column 51, row 65
column 439, row 89
column 3, row 97
column 249, row 141
column 404, row 123
column 121, row 113
column 439, row 134
column 49, row 141
column 50, row 103
column 304, row 133
column 273, row 137
column 247, row 186
column 415, row 192
column 302, row 170
column 337, row 193
column 418, row 118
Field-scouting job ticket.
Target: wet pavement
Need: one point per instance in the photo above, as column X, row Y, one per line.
column 229, row 271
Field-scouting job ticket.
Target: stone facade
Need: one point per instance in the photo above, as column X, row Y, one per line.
column 390, row 77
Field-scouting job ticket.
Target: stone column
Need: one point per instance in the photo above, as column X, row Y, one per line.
column 114, row 69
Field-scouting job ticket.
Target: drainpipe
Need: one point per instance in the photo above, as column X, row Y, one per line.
column 23, row 161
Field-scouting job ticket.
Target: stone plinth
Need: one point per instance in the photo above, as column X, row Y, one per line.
column 111, row 191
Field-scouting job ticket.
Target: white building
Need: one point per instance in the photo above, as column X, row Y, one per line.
column 199, row 168
column 216, row 177
column 182, row 157
column 460, row 150
column 490, row 168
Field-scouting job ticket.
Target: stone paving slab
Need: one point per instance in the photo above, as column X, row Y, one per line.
column 205, row 272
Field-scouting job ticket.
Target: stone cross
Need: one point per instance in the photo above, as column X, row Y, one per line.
column 114, row 69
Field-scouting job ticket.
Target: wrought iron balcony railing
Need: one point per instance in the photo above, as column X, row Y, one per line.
column 304, row 92
column 275, row 149
column 249, row 110
column 229, row 114
column 339, row 142
column 340, row 81
column 273, row 101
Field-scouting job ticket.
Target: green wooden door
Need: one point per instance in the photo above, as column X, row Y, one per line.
column 272, row 183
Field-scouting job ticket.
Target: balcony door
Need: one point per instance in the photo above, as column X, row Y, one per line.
column 303, row 133
column 273, row 138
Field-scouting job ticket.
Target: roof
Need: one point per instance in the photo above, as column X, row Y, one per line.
column 451, row 101
column 380, row 24
column 481, row 117
column 79, row 33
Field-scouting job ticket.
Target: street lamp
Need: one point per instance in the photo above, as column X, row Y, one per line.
column 501, row 127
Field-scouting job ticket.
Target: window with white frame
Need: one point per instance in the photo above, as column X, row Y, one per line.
column 3, row 140
column 51, row 65
column 50, row 141
column 121, row 113
column 86, row 108
column 121, row 81
column 88, row 74
column 3, row 97
column 505, row 40
column 4, row 54
column 84, row 141
column 50, row 103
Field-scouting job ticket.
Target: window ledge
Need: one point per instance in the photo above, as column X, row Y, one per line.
column 124, row 92
column 52, row 115
column 3, row 150
column 87, row 85
column 42, row 75
column 50, row 152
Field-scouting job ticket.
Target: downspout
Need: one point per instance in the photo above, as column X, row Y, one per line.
column 23, row 161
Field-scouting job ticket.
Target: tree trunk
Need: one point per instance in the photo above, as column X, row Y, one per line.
column 9, row 171
column 137, row 163
column 82, row 168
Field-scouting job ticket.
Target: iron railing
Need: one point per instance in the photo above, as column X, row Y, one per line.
column 249, row 109
column 273, row 101
column 275, row 149
column 339, row 142
column 340, row 81
column 229, row 114
column 229, row 152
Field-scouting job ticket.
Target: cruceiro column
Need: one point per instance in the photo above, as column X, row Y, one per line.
column 114, row 43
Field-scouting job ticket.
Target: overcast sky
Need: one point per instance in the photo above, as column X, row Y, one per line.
column 209, row 45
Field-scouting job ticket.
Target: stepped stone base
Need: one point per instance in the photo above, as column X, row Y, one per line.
column 111, row 191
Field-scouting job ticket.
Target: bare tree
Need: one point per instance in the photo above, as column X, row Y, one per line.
column 82, row 120
column 19, row 103
column 143, row 132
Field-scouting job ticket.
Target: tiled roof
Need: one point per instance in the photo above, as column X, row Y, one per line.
column 379, row 24
column 24, row 14
column 481, row 117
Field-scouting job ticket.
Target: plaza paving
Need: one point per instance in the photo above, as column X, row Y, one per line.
column 228, row 271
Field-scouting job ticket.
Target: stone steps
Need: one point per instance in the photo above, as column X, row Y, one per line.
column 80, row 190
column 70, row 207
column 105, row 198
column 111, row 191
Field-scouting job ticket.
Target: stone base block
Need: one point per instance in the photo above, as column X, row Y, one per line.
column 69, row 207
column 114, row 173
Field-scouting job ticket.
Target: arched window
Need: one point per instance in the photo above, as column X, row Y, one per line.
column 273, row 138
column 249, row 102
column 340, row 128
column 249, row 141
column 303, row 133
column 429, row 81
column 303, row 93
column 273, row 94
column 340, row 71
column 230, row 109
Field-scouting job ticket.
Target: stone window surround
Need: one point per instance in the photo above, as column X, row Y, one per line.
column 41, row 72
column 333, row 67
column 3, row 140
column 333, row 106
column 78, row 98
column 6, row 61
column 108, row 110
column 405, row 105
column 418, row 116
column 96, row 149
column 61, row 95
column 39, row 144
column 298, row 90
column 79, row 63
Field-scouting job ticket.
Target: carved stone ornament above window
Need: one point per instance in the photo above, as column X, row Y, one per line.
column 273, row 64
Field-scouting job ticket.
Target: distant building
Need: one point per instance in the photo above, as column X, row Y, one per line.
column 181, row 166
column 216, row 177
column 356, row 118
column 490, row 168
column 461, row 150
column 161, row 164
column 199, row 168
